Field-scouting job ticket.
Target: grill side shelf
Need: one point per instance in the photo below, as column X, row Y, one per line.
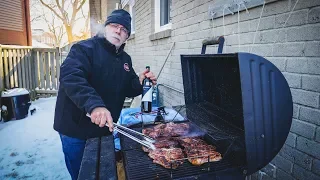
column 107, row 166
column 90, row 159
column 99, row 161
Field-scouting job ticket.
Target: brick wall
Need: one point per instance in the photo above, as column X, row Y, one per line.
column 294, row 49
column 107, row 7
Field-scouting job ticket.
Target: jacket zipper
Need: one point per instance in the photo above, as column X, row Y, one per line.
column 120, row 75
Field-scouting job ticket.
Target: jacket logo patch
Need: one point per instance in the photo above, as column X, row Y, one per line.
column 126, row 67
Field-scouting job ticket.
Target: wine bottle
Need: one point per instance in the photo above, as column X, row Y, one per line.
column 146, row 101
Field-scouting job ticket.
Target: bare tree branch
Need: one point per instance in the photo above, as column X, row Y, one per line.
column 56, row 30
column 74, row 11
column 34, row 12
column 69, row 5
column 36, row 18
column 63, row 11
column 82, row 13
column 58, row 8
column 77, row 19
column 81, row 4
column 46, row 5
column 63, row 3
column 58, row 4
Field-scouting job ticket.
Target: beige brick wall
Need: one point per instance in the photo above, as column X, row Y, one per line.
column 107, row 6
column 294, row 49
column 99, row 10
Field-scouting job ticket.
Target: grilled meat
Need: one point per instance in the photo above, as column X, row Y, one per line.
column 163, row 143
column 145, row 149
column 167, row 164
column 200, row 156
column 172, row 157
column 166, row 143
column 154, row 132
column 147, row 131
column 202, row 153
column 160, row 126
column 170, row 137
column 168, row 153
column 167, row 130
column 179, row 129
column 190, row 142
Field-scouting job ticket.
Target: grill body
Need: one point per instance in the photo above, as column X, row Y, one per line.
column 241, row 102
column 246, row 93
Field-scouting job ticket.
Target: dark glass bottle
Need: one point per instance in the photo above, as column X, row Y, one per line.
column 146, row 100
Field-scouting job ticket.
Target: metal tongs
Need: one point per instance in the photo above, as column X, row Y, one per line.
column 145, row 140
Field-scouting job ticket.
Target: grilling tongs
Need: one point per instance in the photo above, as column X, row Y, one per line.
column 145, row 140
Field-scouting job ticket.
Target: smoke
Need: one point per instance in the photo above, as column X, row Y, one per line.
column 195, row 131
column 97, row 27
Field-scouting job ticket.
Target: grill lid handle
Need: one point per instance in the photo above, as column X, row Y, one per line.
column 213, row 41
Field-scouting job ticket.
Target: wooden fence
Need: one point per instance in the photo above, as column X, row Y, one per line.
column 36, row 69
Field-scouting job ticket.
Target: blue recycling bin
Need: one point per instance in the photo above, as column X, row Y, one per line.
column 15, row 104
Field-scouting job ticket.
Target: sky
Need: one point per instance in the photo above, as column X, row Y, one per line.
column 30, row 148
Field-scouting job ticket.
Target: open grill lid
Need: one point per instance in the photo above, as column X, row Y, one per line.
column 250, row 92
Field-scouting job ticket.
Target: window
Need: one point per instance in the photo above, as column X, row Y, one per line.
column 162, row 15
column 132, row 12
column 128, row 5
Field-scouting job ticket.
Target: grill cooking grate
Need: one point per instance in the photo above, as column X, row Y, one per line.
column 138, row 165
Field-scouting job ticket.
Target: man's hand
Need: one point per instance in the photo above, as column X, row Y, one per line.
column 100, row 116
column 148, row 74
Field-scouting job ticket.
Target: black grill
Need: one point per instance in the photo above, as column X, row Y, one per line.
column 241, row 103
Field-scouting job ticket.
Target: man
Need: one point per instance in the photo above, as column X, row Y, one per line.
column 95, row 78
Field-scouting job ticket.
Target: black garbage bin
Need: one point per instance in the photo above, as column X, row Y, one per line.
column 15, row 104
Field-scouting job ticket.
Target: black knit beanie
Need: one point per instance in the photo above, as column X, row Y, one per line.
column 120, row 16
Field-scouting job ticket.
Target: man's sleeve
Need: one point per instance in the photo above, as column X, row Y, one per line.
column 74, row 74
column 135, row 88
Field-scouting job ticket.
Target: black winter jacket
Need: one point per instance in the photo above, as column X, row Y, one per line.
column 94, row 74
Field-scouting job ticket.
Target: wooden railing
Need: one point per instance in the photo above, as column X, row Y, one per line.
column 36, row 69
column 48, row 70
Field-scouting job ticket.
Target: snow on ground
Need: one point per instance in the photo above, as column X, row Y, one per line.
column 30, row 148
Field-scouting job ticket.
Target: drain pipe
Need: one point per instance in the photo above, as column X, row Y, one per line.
column 166, row 60
column 169, row 87
column 155, row 94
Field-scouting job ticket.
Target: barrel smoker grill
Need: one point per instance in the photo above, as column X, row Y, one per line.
column 243, row 105
column 240, row 102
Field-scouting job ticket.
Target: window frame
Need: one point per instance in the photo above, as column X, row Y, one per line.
column 157, row 26
column 130, row 4
column 133, row 18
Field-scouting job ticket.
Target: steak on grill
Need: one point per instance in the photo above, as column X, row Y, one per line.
column 163, row 143
column 200, row 156
column 167, row 157
column 198, row 151
column 169, row 139
column 168, row 153
column 190, row 142
column 167, row 130
column 167, row 164
column 176, row 129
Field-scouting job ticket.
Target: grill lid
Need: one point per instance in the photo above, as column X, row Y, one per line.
column 253, row 93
